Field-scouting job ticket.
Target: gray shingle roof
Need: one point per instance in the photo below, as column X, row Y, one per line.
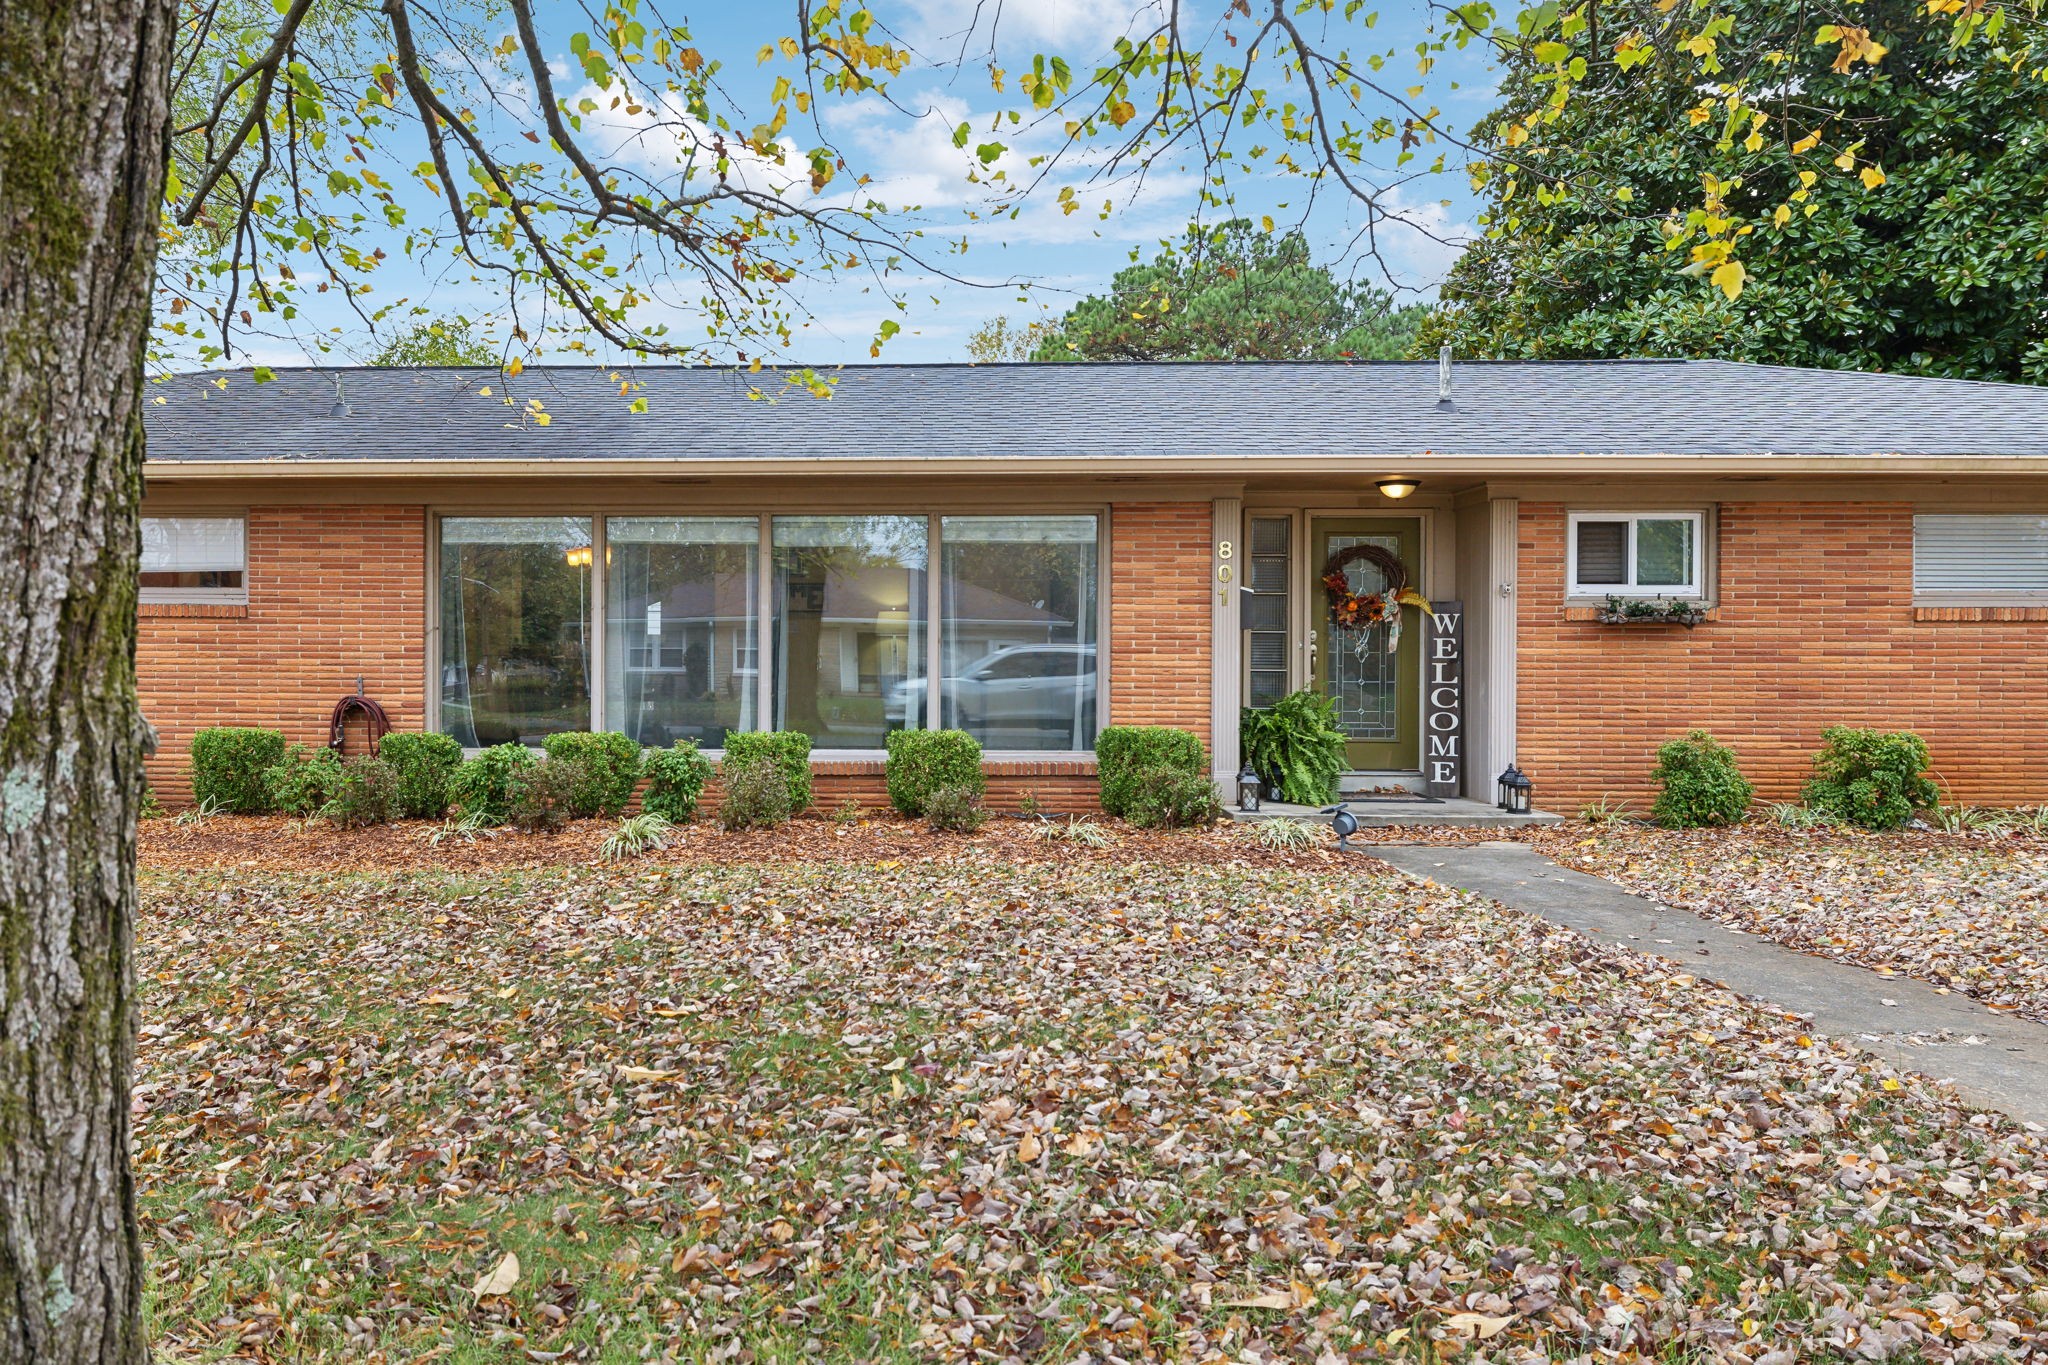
column 1631, row 407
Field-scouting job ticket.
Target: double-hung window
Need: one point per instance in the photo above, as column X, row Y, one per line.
column 1979, row 559
column 1650, row 554
column 194, row 559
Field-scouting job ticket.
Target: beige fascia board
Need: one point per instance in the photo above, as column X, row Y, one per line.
column 1176, row 467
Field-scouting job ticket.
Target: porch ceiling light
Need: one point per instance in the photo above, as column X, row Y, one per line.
column 1398, row 488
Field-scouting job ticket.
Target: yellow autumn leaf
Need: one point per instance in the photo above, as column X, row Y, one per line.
column 1807, row 143
column 1625, row 195
column 1806, row 179
column 1782, row 216
column 1872, row 177
column 1728, row 278
column 1266, row 222
column 1515, row 135
column 514, row 366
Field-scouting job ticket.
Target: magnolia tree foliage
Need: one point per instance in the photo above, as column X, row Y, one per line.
column 1237, row 291
column 661, row 179
column 1884, row 202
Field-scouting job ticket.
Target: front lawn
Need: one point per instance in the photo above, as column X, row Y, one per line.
column 1969, row 914
column 879, row 1111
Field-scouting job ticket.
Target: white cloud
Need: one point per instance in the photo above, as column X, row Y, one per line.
column 652, row 132
column 1089, row 26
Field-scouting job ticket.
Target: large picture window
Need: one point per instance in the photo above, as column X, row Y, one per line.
column 668, row 628
column 849, row 596
column 515, row 627
column 1017, row 630
column 681, row 616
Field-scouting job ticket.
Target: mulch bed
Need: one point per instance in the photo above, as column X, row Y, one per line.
column 279, row 843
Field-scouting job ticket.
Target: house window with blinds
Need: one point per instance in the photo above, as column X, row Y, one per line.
column 193, row 559
column 1268, row 570
column 1637, row 554
column 1980, row 560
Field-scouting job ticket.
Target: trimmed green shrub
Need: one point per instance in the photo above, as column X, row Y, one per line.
column 1702, row 784
column 955, row 809
column 923, row 762
column 1171, row 798
column 545, row 796
column 675, row 779
column 367, row 794
column 422, row 765
column 230, row 766
column 303, row 780
column 484, row 786
column 757, row 794
column 610, row 769
column 1872, row 778
column 1295, row 747
column 788, row 751
column 1124, row 752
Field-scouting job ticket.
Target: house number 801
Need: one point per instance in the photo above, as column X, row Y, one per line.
column 1223, row 573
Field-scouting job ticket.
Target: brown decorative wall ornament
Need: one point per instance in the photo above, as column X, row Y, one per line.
column 1359, row 613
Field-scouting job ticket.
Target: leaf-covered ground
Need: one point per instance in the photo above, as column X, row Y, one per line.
column 1967, row 914
column 1069, row 1111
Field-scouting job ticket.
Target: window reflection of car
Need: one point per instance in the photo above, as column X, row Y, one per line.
column 1045, row 686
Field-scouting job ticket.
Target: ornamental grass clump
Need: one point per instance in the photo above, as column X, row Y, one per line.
column 1125, row 753
column 230, row 768
column 608, row 768
column 635, row 835
column 1295, row 747
column 422, row 766
column 1702, row 785
column 922, row 763
column 676, row 778
column 1874, row 779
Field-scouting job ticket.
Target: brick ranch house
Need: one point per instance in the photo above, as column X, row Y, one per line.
column 1031, row 552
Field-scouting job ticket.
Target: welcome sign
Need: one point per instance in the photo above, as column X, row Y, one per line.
column 1443, row 700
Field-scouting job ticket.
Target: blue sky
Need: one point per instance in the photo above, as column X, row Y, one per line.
column 912, row 159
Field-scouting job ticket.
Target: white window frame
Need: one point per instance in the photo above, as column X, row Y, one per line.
column 1696, row 590
column 229, row 596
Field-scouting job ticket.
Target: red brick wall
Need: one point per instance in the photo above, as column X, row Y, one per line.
column 1816, row 627
column 333, row 592
column 1159, row 648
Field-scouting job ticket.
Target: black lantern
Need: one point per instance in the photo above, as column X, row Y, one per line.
column 1248, row 787
column 1515, row 787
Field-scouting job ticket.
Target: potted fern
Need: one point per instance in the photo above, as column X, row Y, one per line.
column 1295, row 747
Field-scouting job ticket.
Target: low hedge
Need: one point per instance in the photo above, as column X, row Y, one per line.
column 675, row 779
column 788, row 751
column 608, row 770
column 303, row 780
column 1125, row 753
column 421, row 766
column 230, row 767
column 922, row 763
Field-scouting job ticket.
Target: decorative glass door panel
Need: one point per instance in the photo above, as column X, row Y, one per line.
column 1370, row 672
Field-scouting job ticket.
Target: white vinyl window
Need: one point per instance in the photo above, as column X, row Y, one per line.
column 1649, row 554
column 1980, row 559
column 194, row 559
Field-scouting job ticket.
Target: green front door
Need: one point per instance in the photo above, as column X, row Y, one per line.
column 1376, row 687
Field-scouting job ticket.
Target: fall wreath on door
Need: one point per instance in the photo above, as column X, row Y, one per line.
column 1359, row 614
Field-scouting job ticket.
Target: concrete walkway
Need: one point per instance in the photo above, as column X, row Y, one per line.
column 1994, row 1060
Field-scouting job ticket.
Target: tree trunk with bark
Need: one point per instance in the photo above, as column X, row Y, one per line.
column 83, row 123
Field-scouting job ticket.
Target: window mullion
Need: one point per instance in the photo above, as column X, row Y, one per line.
column 594, row 667
column 934, row 701
column 764, row 627
column 1631, row 574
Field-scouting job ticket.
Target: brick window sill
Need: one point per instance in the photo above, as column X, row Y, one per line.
column 1980, row 613
column 218, row 609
